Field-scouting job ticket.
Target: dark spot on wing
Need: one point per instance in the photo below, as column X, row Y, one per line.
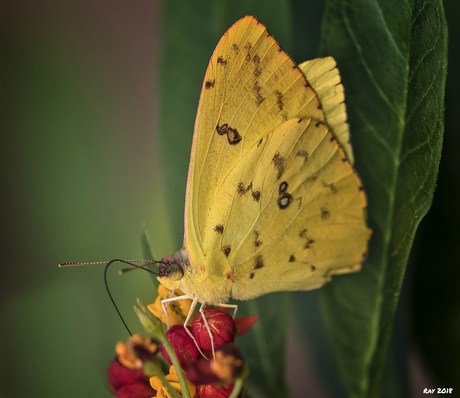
column 221, row 60
column 278, row 162
column 235, row 47
column 233, row 137
column 242, row 190
column 325, row 214
column 256, row 195
column 284, row 200
column 330, row 186
column 308, row 243
column 257, row 241
column 291, row 258
column 248, row 47
column 259, row 262
column 256, row 61
column 279, row 100
column 209, row 84
column 257, row 88
column 313, row 268
column 251, row 275
column 260, row 142
column 302, row 153
column 283, row 187
column 227, row 249
column 219, row 228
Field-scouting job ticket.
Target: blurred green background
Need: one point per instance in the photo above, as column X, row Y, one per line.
column 81, row 173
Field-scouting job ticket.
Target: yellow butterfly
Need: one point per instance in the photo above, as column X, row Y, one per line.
column 273, row 203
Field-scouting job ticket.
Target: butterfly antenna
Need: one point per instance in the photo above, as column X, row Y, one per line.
column 110, row 294
column 121, row 272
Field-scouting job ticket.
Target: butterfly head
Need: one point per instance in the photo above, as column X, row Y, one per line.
column 171, row 270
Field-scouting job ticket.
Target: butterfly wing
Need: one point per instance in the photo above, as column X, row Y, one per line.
column 324, row 77
column 296, row 216
column 251, row 89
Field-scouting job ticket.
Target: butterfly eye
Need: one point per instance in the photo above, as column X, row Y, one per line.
column 174, row 272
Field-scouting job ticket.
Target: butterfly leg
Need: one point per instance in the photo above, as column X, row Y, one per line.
column 234, row 306
column 189, row 315
column 205, row 321
column 165, row 303
column 235, row 309
column 169, row 300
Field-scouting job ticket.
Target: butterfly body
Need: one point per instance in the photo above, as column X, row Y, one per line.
column 273, row 202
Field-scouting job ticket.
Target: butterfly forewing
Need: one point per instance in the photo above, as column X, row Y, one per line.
column 251, row 86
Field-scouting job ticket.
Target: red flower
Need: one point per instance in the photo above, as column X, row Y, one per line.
column 224, row 369
column 183, row 346
column 211, row 391
column 120, row 376
column 138, row 390
column 221, row 325
column 128, row 383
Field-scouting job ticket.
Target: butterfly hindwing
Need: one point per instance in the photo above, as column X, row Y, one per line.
column 295, row 216
column 324, row 77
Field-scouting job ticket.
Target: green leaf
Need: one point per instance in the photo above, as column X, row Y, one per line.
column 392, row 57
column 147, row 253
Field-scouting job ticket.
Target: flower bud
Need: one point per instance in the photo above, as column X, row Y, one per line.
column 137, row 390
column 228, row 363
column 183, row 346
column 136, row 351
column 212, row 391
column 120, row 376
column 224, row 369
column 221, row 325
